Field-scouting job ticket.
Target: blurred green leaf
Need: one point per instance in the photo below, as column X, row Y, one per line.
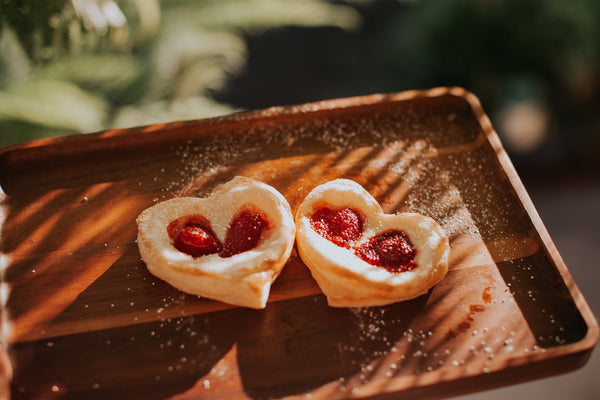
column 14, row 63
column 54, row 104
column 255, row 15
column 165, row 111
column 190, row 62
column 103, row 73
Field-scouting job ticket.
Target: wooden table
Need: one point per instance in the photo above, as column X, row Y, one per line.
column 83, row 318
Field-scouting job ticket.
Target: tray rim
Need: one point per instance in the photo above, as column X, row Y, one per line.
column 578, row 351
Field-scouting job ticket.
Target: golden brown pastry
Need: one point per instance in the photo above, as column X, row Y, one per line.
column 362, row 257
column 229, row 246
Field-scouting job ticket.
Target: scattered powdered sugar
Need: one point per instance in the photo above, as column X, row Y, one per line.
column 432, row 191
column 414, row 162
column 407, row 154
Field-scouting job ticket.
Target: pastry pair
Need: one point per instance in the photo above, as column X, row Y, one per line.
column 232, row 245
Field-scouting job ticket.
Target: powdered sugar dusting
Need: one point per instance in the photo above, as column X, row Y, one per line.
column 406, row 156
column 409, row 162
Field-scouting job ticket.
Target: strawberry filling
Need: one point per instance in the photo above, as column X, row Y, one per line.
column 244, row 232
column 391, row 250
column 341, row 227
column 193, row 235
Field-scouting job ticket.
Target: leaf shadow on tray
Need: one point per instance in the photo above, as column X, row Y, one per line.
column 288, row 348
column 294, row 345
column 291, row 347
column 312, row 344
column 522, row 261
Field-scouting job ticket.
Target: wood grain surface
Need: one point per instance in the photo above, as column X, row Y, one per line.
column 83, row 318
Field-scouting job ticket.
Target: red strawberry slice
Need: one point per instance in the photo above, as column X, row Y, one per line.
column 341, row 227
column 244, row 232
column 192, row 235
column 392, row 250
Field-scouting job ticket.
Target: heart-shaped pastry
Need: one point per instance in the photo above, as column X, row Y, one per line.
column 360, row 256
column 229, row 246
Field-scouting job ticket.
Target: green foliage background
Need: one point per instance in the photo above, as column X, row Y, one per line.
column 77, row 66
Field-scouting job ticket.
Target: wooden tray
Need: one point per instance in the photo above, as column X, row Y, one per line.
column 83, row 318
